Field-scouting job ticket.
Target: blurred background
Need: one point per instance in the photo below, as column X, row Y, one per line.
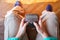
column 30, row 6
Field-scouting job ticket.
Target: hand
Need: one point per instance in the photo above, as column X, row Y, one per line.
column 22, row 28
column 40, row 29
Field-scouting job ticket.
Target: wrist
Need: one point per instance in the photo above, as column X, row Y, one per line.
column 18, row 35
column 45, row 35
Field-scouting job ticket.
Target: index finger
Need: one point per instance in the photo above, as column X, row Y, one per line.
column 22, row 21
column 36, row 25
column 40, row 22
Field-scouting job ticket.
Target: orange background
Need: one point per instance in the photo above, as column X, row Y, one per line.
column 31, row 6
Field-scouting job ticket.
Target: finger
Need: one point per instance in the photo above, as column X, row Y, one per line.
column 25, row 25
column 38, row 28
column 40, row 18
column 36, row 25
column 22, row 22
column 40, row 22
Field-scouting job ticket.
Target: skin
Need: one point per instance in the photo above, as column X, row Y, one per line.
column 22, row 29
column 19, row 11
column 40, row 29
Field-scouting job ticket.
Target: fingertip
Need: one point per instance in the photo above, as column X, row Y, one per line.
column 33, row 22
column 36, row 25
column 25, row 24
column 23, row 19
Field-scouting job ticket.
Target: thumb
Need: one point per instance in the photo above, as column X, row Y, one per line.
column 36, row 25
column 25, row 25
column 40, row 22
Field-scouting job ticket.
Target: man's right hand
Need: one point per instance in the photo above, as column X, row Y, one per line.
column 40, row 29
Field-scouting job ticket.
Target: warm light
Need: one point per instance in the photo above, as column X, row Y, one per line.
column 10, row 1
column 30, row 1
column 36, row 1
